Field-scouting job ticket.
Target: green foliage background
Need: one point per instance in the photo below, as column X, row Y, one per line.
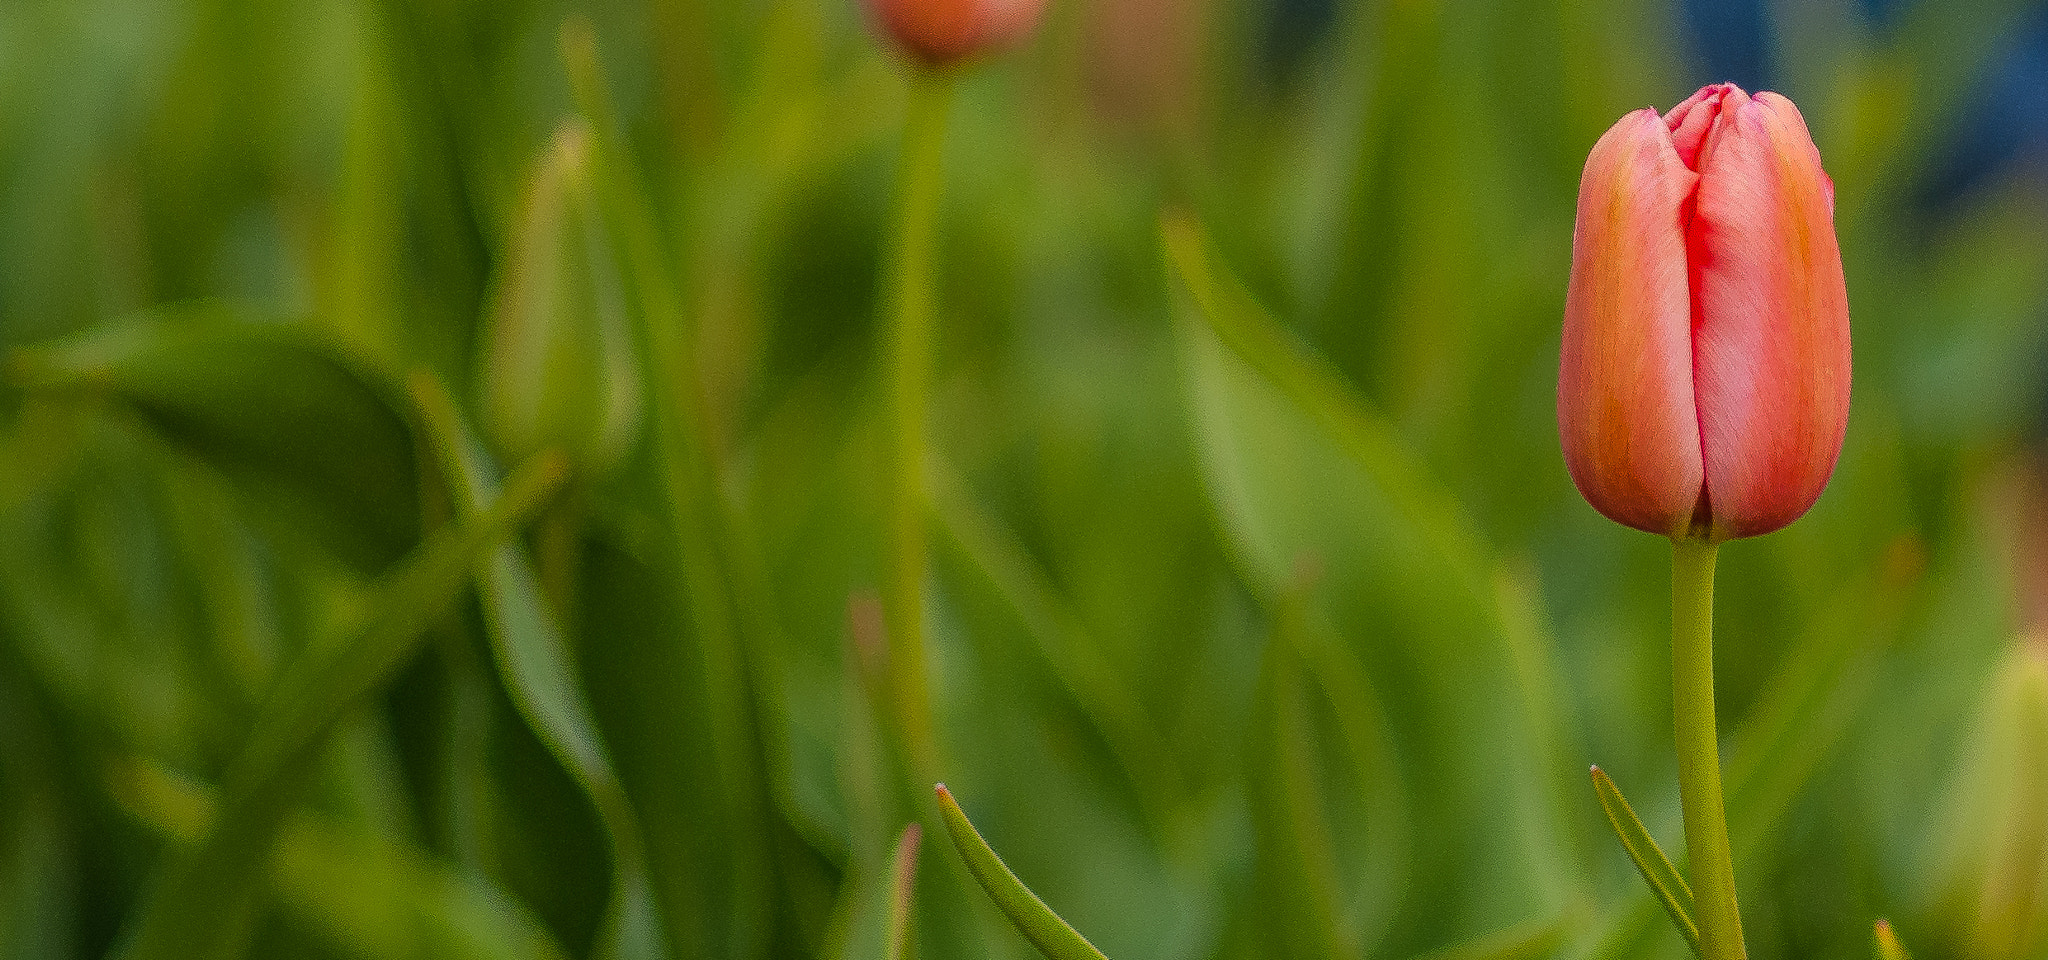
column 1264, row 620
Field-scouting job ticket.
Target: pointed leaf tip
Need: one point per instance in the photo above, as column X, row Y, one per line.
column 1888, row 945
column 903, row 868
column 1053, row 936
column 1663, row 878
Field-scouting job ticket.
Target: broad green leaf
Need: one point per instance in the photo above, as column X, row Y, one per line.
column 1051, row 935
column 273, row 404
column 1656, row 868
column 202, row 903
column 539, row 674
column 1305, row 474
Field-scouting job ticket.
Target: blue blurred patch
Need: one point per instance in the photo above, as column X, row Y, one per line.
column 1733, row 39
column 2000, row 122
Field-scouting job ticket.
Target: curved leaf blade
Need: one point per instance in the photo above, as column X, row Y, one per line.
column 1053, row 936
column 539, row 674
column 203, row 902
column 1656, row 868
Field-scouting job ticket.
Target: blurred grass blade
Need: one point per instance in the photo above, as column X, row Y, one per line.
column 1529, row 941
column 539, row 675
column 1053, row 937
column 1310, row 897
column 376, row 897
column 203, row 902
column 667, row 344
column 1888, row 946
column 1656, row 868
column 903, row 877
column 995, row 557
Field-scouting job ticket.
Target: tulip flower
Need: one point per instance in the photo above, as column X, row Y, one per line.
column 942, row 32
column 1703, row 387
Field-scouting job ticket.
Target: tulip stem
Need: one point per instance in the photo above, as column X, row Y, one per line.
column 911, row 304
column 1699, row 755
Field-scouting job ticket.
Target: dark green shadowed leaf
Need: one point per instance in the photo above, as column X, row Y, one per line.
column 202, row 904
column 534, row 660
column 688, row 476
column 1053, row 937
column 375, row 897
column 1663, row 878
column 274, row 405
column 1310, row 897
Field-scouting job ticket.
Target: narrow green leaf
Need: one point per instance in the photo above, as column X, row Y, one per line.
column 1296, row 815
column 202, row 904
column 666, row 341
column 1656, row 868
column 540, row 677
column 1053, row 937
column 376, row 897
column 1888, row 945
column 903, row 875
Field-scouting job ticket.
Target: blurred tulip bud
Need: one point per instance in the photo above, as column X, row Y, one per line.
column 941, row 32
column 1995, row 886
column 1703, row 386
column 558, row 365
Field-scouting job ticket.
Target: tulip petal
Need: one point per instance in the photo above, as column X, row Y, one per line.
column 1772, row 341
column 1625, row 406
column 1690, row 121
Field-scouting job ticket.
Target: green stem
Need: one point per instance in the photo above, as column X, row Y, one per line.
column 912, row 301
column 1699, row 755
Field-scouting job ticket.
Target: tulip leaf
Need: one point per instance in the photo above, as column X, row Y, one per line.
column 1888, row 946
column 374, row 896
column 1305, row 474
column 1656, row 868
column 539, row 674
column 1053, row 936
column 202, row 904
column 1312, row 911
column 274, row 405
column 903, row 890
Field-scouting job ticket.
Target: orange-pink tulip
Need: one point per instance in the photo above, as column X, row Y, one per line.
column 940, row 32
column 1703, row 387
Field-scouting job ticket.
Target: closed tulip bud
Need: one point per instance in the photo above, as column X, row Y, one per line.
column 941, row 32
column 558, row 367
column 1703, row 387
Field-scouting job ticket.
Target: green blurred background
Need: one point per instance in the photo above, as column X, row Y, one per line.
column 1263, row 618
